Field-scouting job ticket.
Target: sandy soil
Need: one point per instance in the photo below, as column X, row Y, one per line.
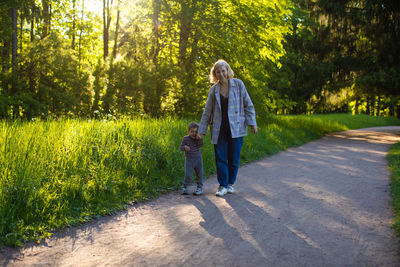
column 326, row 203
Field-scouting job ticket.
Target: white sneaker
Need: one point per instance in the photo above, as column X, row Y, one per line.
column 184, row 190
column 198, row 191
column 221, row 191
column 230, row 189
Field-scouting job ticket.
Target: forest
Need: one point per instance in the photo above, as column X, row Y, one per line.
column 152, row 58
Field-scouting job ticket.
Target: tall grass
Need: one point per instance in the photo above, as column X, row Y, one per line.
column 393, row 158
column 65, row 172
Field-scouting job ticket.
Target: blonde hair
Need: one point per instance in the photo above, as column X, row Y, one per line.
column 220, row 63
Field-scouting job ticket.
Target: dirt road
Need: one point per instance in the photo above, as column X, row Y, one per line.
column 326, row 203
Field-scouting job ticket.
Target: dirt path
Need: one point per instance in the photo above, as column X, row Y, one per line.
column 326, row 203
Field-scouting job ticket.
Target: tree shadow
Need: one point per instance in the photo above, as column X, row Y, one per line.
column 286, row 245
column 214, row 222
column 250, row 234
column 74, row 234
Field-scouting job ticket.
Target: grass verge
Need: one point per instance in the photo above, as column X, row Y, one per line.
column 66, row 172
column 393, row 158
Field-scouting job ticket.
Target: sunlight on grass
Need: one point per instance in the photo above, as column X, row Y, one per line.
column 66, row 172
column 394, row 165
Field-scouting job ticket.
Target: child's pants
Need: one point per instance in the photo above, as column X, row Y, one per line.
column 195, row 164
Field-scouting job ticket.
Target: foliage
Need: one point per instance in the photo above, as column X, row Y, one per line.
column 56, row 86
column 56, row 173
column 343, row 45
column 306, row 66
column 161, row 54
column 294, row 56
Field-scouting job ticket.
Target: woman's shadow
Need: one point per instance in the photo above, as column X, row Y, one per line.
column 256, row 239
column 241, row 250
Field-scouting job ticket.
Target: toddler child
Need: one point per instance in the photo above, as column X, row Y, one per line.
column 191, row 145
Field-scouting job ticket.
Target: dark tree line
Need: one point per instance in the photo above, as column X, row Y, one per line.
column 341, row 56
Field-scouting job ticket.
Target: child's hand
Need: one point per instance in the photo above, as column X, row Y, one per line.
column 199, row 136
column 187, row 148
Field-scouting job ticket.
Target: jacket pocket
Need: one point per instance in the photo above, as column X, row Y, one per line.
column 243, row 125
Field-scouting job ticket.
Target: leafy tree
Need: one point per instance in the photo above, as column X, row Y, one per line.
column 306, row 68
column 294, row 56
column 50, row 71
column 380, row 75
column 335, row 46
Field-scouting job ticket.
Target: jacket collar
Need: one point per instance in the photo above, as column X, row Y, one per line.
column 232, row 85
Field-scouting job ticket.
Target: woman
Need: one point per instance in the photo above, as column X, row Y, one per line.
column 228, row 111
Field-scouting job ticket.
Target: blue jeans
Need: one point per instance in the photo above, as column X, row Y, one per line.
column 227, row 158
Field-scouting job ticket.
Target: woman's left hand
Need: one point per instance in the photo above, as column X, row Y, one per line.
column 254, row 128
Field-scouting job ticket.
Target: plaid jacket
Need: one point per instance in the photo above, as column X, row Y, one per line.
column 241, row 111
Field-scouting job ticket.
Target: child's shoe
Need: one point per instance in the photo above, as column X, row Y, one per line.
column 184, row 190
column 198, row 191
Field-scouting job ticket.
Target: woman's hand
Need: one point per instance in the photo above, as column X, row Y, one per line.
column 254, row 128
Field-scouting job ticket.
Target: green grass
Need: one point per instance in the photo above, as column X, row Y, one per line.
column 393, row 158
column 66, row 172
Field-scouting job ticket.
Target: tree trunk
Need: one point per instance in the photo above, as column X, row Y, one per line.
column 14, row 38
column 357, row 104
column 6, row 53
column 368, row 110
column 115, row 50
column 14, row 62
column 21, row 34
column 6, row 50
column 108, row 97
column 398, row 111
column 184, row 58
column 372, row 109
column 184, row 33
column 391, row 109
column 106, row 26
column 47, row 17
column 135, row 45
column 32, row 28
column 97, row 86
column 80, row 34
column 73, row 23
column 31, row 76
column 193, row 53
column 155, row 49
column 378, row 107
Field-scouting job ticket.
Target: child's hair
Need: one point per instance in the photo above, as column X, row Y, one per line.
column 193, row 125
